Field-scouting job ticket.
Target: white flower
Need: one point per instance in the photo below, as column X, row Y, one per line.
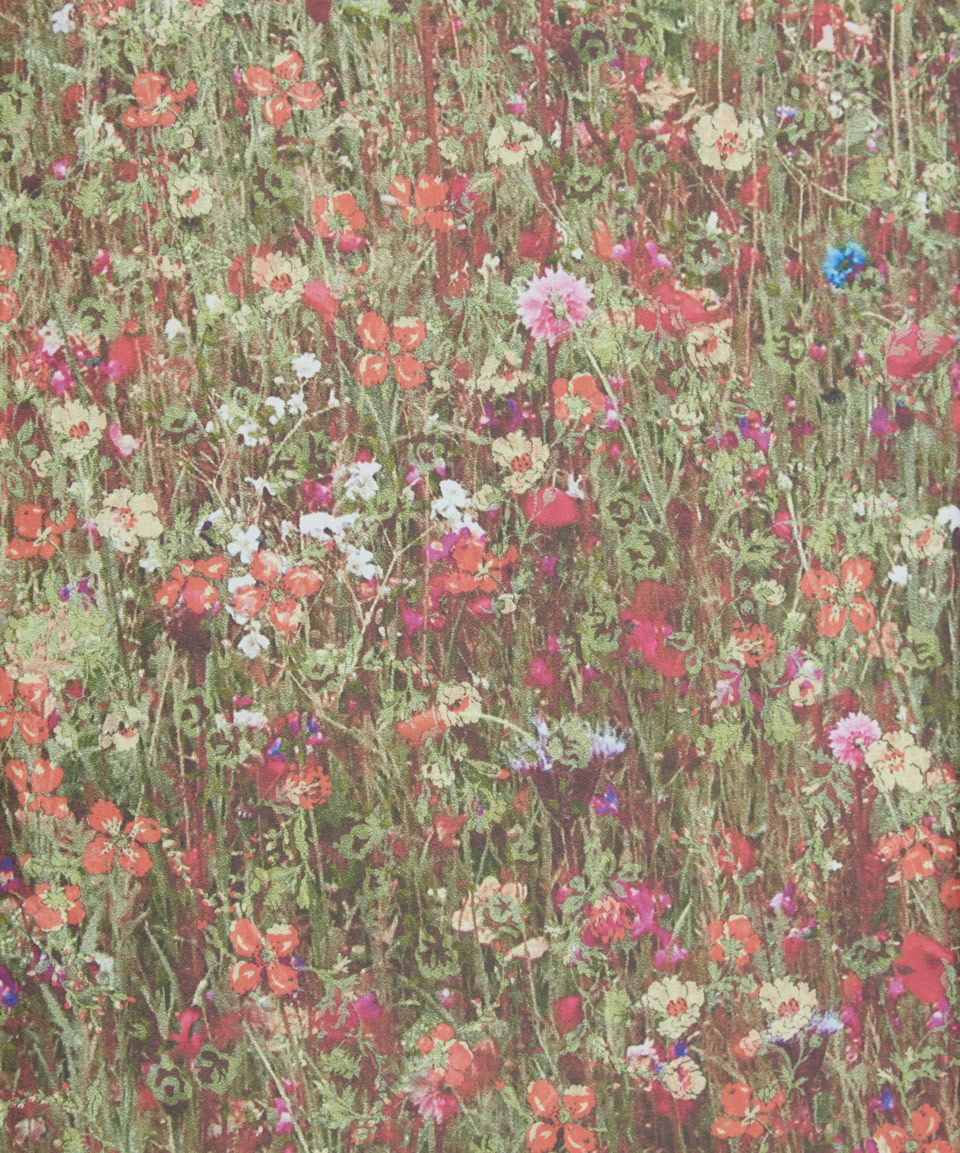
column 949, row 517
column 173, row 328
column 677, row 1003
column 575, row 487
column 790, row 1004
column 324, row 526
column 244, row 542
column 360, row 562
column 361, row 480
column 277, row 407
column 682, row 1078
column 297, row 404
column 898, row 575
column 306, row 366
column 260, row 485
column 249, row 719
column 253, row 642
column 453, row 499
column 61, row 20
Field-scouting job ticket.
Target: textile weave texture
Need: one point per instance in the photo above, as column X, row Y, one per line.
column 479, row 516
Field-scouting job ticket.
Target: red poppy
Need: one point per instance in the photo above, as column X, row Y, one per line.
column 924, row 1123
column 36, row 787
column 915, row 350
column 745, row 1113
column 37, row 535
column 551, row 507
column 51, row 909
column 920, row 967
column 157, row 104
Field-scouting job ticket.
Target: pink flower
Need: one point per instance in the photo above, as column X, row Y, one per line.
column 850, row 738
column 553, row 304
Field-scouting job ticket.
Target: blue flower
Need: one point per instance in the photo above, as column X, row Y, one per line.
column 841, row 265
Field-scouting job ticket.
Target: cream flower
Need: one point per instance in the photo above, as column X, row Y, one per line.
column 126, row 519
column 922, row 538
column 78, row 427
column 474, row 915
column 512, row 142
column 723, row 141
column 660, row 93
column 525, row 457
column 190, row 195
column 789, row 1005
column 281, row 278
column 677, row 1003
column 682, row 1078
column 897, row 760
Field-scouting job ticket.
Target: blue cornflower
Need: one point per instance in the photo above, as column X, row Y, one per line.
column 841, row 265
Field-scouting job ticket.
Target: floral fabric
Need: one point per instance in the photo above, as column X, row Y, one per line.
column 478, row 623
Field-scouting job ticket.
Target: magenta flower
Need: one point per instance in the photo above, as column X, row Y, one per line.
column 553, row 304
column 851, row 737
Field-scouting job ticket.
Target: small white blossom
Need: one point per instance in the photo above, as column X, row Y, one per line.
column 306, row 366
column 244, row 542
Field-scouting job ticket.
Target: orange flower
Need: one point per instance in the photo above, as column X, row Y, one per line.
column 37, row 535
column 9, row 301
column 736, row 928
column 560, row 1117
column 339, row 218
column 36, row 787
column 924, row 1122
column 429, row 199
column 266, row 952
column 51, row 909
column 745, row 1113
column 281, row 87
column 754, row 644
column 918, row 852
column 115, row 838
column 477, row 570
column 189, row 581
column 839, row 597
column 390, row 346
column 157, row 103
column 577, row 399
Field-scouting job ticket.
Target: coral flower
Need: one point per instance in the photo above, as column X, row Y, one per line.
column 552, row 305
column 114, row 838
column 266, row 952
column 839, row 597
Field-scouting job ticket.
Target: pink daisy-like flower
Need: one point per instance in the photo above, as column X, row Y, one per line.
column 553, row 304
column 850, row 738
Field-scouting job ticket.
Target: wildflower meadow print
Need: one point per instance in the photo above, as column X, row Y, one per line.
column 479, row 519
